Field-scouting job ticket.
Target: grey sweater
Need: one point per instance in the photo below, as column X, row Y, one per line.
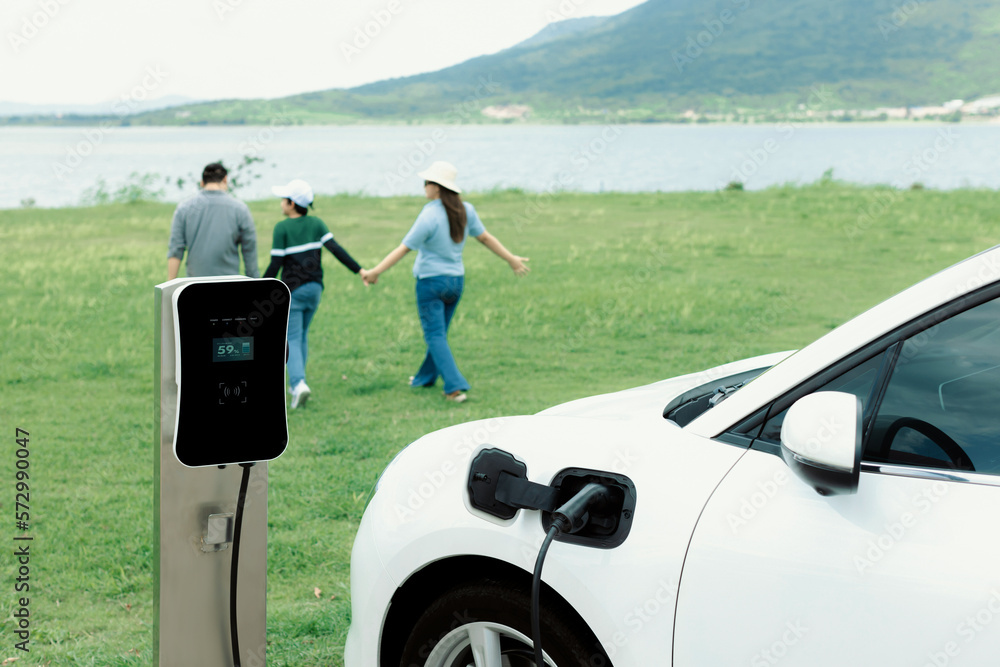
column 213, row 226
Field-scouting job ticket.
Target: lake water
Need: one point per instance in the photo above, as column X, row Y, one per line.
column 55, row 166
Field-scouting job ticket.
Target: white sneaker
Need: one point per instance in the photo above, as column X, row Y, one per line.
column 300, row 394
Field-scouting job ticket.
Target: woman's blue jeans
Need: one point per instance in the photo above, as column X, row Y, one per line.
column 437, row 298
column 305, row 301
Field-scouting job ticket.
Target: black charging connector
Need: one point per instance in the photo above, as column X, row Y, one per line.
column 570, row 517
column 573, row 515
column 591, row 508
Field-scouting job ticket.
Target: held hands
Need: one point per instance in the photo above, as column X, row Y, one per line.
column 517, row 264
column 368, row 277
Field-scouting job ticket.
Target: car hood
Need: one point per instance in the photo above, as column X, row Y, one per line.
column 648, row 401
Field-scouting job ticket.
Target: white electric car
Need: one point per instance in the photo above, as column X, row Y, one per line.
column 836, row 506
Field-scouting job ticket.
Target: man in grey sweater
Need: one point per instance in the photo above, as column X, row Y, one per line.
column 212, row 226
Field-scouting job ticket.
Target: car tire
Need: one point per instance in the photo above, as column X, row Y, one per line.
column 495, row 617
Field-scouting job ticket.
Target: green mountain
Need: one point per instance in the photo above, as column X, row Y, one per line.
column 561, row 29
column 666, row 56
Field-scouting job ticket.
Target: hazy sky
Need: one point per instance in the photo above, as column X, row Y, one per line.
column 88, row 51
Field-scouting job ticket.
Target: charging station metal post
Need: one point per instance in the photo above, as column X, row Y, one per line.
column 194, row 507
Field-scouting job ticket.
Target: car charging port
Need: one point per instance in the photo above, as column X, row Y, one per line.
column 575, row 514
column 498, row 485
column 590, row 508
column 609, row 514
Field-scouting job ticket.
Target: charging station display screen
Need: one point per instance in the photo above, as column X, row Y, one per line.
column 230, row 339
column 232, row 349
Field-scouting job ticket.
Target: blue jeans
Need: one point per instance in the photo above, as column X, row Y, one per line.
column 305, row 301
column 437, row 298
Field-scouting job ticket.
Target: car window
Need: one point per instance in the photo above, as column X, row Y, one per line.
column 859, row 381
column 940, row 406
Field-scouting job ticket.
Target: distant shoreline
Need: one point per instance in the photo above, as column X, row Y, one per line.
column 56, row 166
column 322, row 197
column 101, row 121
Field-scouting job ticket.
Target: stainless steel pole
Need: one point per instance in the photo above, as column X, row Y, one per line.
column 193, row 519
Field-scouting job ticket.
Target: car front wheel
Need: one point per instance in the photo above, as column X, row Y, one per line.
column 488, row 624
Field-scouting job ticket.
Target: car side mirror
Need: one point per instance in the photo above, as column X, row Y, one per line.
column 821, row 441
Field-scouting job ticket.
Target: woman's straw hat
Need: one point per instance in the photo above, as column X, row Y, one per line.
column 442, row 173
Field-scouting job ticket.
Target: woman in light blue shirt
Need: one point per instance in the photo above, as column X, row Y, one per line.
column 438, row 235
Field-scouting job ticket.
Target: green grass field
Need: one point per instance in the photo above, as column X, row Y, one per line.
column 625, row 290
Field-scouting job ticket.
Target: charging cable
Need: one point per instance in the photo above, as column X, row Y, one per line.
column 570, row 517
column 233, row 575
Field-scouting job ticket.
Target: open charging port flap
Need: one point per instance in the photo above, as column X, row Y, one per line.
column 498, row 485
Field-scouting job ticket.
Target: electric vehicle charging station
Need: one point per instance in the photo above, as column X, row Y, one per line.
column 220, row 408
